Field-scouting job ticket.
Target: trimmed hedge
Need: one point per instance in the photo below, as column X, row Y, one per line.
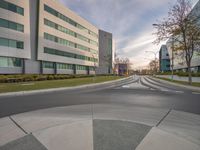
column 40, row 77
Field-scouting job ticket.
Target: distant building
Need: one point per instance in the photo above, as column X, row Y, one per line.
column 121, row 69
column 106, row 53
column 164, row 60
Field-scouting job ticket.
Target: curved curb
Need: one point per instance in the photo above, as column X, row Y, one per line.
column 42, row 91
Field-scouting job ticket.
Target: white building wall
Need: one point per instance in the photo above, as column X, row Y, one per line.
column 16, row 35
column 50, row 44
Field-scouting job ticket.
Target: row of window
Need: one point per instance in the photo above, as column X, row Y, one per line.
column 64, row 66
column 11, row 43
column 67, row 54
column 65, row 42
column 68, row 20
column 80, row 67
column 10, row 62
column 46, row 64
column 11, row 7
column 68, row 31
column 11, row 25
column 51, row 65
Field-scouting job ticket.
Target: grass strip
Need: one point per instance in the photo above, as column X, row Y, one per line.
column 36, row 85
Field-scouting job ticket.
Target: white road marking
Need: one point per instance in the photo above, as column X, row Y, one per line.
column 195, row 93
column 179, row 91
column 165, row 90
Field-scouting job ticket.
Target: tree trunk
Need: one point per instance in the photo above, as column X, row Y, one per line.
column 189, row 75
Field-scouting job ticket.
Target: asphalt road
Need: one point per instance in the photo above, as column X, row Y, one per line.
column 145, row 92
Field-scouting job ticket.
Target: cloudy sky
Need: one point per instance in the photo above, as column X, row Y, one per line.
column 130, row 21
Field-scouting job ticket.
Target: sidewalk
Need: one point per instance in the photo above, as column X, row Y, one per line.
column 178, row 78
column 99, row 126
column 192, row 88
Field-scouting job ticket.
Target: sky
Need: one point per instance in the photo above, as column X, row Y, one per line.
column 130, row 22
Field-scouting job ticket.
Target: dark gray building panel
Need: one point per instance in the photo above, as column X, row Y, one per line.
column 105, row 53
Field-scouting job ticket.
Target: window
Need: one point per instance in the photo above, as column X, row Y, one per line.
column 49, row 65
column 68, row 31
column 10, row 62
column 11, row 7
column 20, row 10
column 11, row 25
column 64, row 66
column 4, row 42
column 68, row 20
column 11, row 43
column 80, row 67
column 20, row 27
column 20, row 45
column 59, row 40
column 67, row 54
column 3, row 23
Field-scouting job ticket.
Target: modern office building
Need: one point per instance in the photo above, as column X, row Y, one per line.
column 164, row 60
column 14, row 35
column 176, row 58
column 106, row 53
column 43, row 36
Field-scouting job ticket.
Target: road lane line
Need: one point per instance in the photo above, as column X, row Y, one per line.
column 196, row 93
column 179, row 91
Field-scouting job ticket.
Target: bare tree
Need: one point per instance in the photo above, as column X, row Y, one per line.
column 154, row 66
column 182, row 26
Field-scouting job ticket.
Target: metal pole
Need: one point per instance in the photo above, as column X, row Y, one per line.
column 172, row 77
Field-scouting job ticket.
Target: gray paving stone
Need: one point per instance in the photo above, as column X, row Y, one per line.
column 28, row 142
column 157, row 139
column 45, row 118
column 117, row 135
column 143, row 115
column 9, row 131
column 74, row 136
column 183, row 124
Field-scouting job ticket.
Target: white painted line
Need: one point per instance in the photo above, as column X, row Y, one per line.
column 125, row 86
column 197, row 93
column 179, row 91
column 165, row 90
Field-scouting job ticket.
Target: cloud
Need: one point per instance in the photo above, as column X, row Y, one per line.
column 130, row 21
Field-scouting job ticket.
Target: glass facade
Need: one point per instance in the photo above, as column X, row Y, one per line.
column 80, row 67
column 11, row 25
column 64, row 66
column 68, row 31
column 46, row 64
column 67, row 54
column 11, row 43
column 11, row 7
column 68, row 20
column 10, row 62
column 65, row 42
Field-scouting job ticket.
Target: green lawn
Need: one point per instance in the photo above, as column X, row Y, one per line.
column 14, row 87
column 180, row 82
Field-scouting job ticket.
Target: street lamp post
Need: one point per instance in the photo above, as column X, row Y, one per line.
column 172, row 64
